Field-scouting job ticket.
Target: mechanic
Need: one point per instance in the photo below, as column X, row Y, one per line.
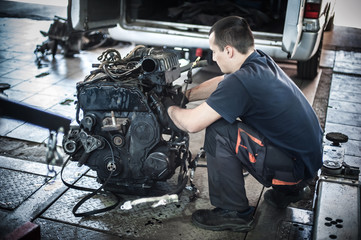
column 256, row 119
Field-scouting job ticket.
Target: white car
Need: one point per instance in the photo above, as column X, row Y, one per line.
column 284, row 29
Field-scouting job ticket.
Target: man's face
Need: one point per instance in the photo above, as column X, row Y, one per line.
column 218, row 55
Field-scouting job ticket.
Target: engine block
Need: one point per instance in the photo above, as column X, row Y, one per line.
column 123, row 130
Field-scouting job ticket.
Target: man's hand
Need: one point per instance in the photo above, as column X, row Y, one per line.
column 181, row 100
column 168, row 102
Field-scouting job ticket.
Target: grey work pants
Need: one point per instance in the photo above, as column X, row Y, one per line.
column 230, row 148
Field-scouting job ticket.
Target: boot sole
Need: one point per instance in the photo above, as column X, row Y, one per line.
column 227, row 226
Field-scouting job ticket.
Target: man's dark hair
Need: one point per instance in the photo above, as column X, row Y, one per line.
column 233, row 31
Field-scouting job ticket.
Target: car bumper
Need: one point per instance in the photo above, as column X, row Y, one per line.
column 304, row 52
column 270, row 44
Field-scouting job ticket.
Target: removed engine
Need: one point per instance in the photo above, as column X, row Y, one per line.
column 123, row 131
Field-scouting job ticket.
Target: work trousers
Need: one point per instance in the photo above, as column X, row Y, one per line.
column 230, row 148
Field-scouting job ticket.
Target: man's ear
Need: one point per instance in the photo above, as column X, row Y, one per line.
column 229, row 50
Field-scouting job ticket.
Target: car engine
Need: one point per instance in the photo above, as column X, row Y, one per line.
column 122, row 131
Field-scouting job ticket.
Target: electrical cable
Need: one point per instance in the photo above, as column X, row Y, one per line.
column 94, row 191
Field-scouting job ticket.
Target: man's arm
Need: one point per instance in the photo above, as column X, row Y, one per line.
column 195, row 119
column 203, row 90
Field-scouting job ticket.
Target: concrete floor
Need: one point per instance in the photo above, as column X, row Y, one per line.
column 25, row 197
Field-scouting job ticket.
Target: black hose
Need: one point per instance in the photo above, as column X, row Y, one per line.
column 202, row 63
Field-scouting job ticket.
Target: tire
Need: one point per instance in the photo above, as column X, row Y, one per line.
column 307, row 70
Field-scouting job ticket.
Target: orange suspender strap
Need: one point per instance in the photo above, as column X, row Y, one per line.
column 280, row 182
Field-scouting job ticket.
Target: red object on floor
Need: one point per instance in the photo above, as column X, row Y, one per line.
column 28, row 231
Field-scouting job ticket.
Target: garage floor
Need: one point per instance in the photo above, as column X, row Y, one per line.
column 26, row 196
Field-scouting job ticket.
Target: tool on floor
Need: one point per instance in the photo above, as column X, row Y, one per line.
column 159, row 201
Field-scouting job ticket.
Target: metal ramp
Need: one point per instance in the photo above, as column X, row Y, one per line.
column 337, row 209
column 289, row 223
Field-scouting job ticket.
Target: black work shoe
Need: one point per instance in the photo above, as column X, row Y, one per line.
column 220, row 219
column 279, row 199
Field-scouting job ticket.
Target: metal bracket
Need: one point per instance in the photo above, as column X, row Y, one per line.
column 90, row 143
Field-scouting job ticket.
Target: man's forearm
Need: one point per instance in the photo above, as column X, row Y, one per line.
column 194, row 119
column 203, row 90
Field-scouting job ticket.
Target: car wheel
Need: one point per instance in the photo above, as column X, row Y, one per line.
column 307, row 70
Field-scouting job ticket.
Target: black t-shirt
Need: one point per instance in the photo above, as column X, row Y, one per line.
column 264, row 97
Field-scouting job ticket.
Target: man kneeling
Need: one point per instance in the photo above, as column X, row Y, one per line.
column 256, row 119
